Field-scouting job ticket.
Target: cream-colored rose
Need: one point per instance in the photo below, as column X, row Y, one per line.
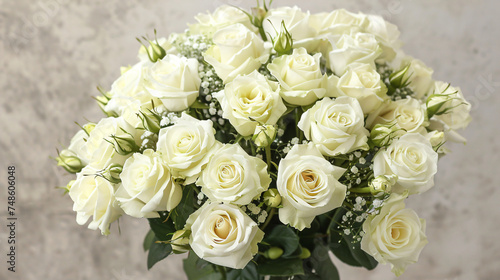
column 236, row 51
column 300, row 77
column 337, row 20
column 224, row 235
column 97, row 151
column 186, row 147
column 147, row 186
column 396, row 235
column 94, row 196
column 408, row 115
column 129, row 108
column 296, row 22
column 308, row 185
column 232, row 176
column 336, row 126
column 223, row 16
column 412, row 159
column 131, row 82
column 249, row 100
column 264, row 135
column 418, row 75
column 362, row 82
column 166, row 44
column 449, row 106
column 353, row 48
column 387, row 34
column 175, row 81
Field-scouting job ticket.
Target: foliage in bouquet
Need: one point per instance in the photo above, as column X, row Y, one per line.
column 258, row 142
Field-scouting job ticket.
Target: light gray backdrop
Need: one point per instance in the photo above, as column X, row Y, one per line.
column 53, row 53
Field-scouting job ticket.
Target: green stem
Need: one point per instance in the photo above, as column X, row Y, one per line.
column 269, row 218
column 268, row 157
column 222, row 270
column 360, row 190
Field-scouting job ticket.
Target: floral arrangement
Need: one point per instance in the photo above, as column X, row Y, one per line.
column 260, row 141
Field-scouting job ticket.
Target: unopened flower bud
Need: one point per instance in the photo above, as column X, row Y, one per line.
column 273, row 253
column 69, row 160
column 382, row 134
column 150, row 121
column 305, row 253
column 180, row 241
column 88, row 127
column 381, row 184
column 283, row 43
column 124, row 145
column 155, row 51
column 443, row 101
column 112, row 173
column 272, row 198
column 400, row 78
column 264, row 135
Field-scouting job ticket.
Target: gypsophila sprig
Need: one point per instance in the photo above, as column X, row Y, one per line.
column 259, row 140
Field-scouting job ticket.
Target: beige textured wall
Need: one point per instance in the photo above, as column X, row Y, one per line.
column 54, row 52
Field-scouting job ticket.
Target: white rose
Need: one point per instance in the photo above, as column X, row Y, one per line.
column 224, row 235
column 250, row 100
column 419, row 76
column 129, row 107
column 408, row 114
column 412, row 159
column 353, row 48
column 97, row 151
column 308, row 185
column 78, row 142
column 236, row 51
column 166, row 44
column 362, row 82
column 387, row 34
column 175, row 81
column 341, row 19
column 186, row 147
column 94, row 196
column 296, row 22
column 335, row 126
column 223, row 16
column 233, row 176
column 130, row 83
column 448, row 105
column 300, row 77
column 396, row 235
column 147, row 186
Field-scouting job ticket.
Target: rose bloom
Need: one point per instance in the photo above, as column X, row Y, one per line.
column 362, row 82
column 408, row 115
column 249, row 100
column 175, row 81
column 236, row 51
column 97, row 151
column 300, row 77
column 94, row 196
column 186, row 147
column 147, row 186
column 449, row 106
column 223, row 16
column 308, row 185
column 396, row 235
column 224, row 235
column 233, row 176
column 412, row 159
column 335, row 126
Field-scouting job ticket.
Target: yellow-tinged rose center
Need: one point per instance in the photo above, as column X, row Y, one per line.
column 309, row 180
column 223, row 226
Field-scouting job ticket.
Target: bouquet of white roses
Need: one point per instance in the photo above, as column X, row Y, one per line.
column 260, row 141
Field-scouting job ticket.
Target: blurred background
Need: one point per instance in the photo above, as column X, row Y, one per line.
column 53, row 53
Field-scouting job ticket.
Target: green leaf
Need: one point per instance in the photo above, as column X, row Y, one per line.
column 342, row 252
column 281, row 267
column 157, row 252
column 322, row 263
column 185, row 208
column 199, row 105
column 359, row 255
column 285, row 238
column 148, row 239
column 199, row 269
column 162, row 227
column 247, row 273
